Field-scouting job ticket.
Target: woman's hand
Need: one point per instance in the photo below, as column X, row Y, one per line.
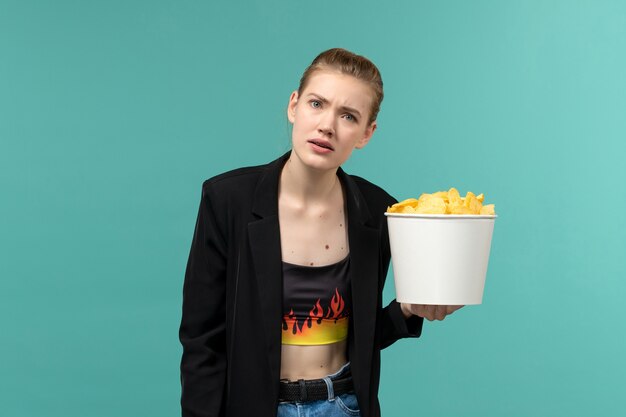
column 429, row 312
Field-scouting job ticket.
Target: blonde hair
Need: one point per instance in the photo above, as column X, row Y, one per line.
column 348, row 63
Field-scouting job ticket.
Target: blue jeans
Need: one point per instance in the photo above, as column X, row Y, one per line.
column 335, row 406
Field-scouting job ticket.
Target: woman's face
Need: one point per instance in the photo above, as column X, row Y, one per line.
column 330, row 119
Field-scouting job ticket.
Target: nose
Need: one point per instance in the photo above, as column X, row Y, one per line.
column 326, row 124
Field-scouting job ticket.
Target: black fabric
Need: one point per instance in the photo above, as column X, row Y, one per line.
column 232, row 296
column 315, row 294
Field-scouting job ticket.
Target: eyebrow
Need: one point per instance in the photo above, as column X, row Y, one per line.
column 345, row 108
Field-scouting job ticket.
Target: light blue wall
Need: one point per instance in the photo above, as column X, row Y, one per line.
column 112, row 113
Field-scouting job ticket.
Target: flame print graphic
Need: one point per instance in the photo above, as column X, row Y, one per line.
column 317, row 328
column 336, row 306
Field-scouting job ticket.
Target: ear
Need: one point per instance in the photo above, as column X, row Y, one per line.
column 291, row 107
column 369, row 131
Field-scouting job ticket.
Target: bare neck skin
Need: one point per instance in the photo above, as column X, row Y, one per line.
column 300, row 183
column 313, row 233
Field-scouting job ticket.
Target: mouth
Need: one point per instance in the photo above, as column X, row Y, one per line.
column 321, row 143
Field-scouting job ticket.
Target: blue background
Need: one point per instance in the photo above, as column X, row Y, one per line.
column 112, row 114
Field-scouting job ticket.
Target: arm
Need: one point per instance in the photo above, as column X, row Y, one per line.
column 395, row 325
column 203, row 325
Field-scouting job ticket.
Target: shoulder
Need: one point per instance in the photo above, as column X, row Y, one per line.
column 230, row 190
column 241, row 179
column 231, row 180
column 245, row 175
column 369, row 201
column 238, row 188
column 372, row 192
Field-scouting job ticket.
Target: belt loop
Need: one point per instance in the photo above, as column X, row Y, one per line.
column 329, row 387
column 303, row 394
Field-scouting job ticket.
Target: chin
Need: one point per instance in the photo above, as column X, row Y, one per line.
column 326, row 165
column 319, row 162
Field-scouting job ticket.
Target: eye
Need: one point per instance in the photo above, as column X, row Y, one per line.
column 350, row 117
column 316, row 104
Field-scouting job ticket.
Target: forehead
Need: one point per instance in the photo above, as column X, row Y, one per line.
column 341, row 89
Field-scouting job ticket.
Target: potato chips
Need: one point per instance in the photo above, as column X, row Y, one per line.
column 444, row 202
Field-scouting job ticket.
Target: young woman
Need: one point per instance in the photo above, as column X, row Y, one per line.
column 282, row 301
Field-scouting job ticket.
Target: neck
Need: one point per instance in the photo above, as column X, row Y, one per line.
column 306, row 184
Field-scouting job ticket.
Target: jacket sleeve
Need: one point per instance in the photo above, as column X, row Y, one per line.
column 395, row 326
column 202, row 330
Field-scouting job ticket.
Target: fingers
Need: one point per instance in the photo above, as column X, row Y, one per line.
column 419, row 310
column 452, row 309
column 433, row 312
column 440, row 312
column 429, row 312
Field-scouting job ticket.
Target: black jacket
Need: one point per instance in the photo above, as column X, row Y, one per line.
column 232, row 295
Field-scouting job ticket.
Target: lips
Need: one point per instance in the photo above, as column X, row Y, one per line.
column 321, row 143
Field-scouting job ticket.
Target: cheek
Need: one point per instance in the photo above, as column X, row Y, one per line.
column 351, row 133
column 304, row 122
column 298, row 130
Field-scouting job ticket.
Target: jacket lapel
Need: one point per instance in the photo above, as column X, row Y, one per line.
column 364, row 240
column 264, row 238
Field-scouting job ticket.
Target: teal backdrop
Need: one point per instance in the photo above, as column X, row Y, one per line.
column 112, row 113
